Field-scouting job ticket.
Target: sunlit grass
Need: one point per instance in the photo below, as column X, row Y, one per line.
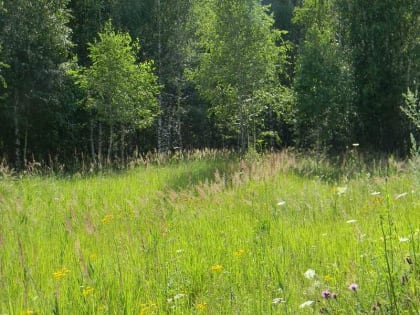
column 183, row 238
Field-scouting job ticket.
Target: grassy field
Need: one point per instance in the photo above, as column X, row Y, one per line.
column 212, row 236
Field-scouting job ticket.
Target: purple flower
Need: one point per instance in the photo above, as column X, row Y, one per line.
column 353, row 287
column 326, row 294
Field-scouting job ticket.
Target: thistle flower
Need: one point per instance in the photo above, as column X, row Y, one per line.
column 326, row 294
column 353, row 287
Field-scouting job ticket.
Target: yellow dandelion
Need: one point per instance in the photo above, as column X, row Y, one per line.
column 239, row 252
column 202, row 306
column 87, row 291
column 108, row 218
column 328, row 278
column 216, row 268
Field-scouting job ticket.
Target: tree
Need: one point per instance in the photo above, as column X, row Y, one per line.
column 323, row 81
column 382, row 39
column 122, row 92
column 36, row 43
column 237, row 58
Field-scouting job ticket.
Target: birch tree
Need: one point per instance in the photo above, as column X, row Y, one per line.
column 238, row 56
column 122, row 91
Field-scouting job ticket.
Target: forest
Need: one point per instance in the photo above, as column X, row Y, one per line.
column 106, row 80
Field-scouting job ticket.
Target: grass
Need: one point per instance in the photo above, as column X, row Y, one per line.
column 211, row 236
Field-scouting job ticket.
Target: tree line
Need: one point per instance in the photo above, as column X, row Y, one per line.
column 109, row 79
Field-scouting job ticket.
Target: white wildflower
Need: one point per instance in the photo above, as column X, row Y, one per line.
column 179, row 296
column 310, row 274
column 375, row 193
column 306, row 304
column 281, row 203
column 278, row 300
column 404, row 239
column 401, row 195
column 341, row 190
column 351, row 221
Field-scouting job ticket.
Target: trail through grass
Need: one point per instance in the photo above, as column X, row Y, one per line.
column 210, row 237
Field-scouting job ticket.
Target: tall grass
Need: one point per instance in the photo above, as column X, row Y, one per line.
column 215, row 236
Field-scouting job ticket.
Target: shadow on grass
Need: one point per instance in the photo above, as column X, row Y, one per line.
column 190, row 173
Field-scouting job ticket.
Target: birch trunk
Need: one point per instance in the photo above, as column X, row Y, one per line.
column 17, row 130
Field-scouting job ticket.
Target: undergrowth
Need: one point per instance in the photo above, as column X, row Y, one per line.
column 276, row 234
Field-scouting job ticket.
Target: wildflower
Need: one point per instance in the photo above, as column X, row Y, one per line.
column 351, row 221
column 102, row 308
column 108, row 218
column 401, row 195
column 28, row 312
column 404, row 239
column 87, row 291
column 326, row 294
column 60, row 274
column 216, row 268
column 179, row 296
column 355, row 145
column 239, row 252
column 147, row 308
column 202, row 306
column 310, row 274
column 375, row 193
column 281, row 203
column 353, row 287
column 278, row 300
column 341, row 190
column 334, row 295
column 376, row 306
column 306, row 304
column 328, row 278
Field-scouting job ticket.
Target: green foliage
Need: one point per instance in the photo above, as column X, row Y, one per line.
column 412, row 110
column 119, row 90
column 383, row 45
column 35, row 40
column 238, row 58
column 323, row 82
column 2, row 66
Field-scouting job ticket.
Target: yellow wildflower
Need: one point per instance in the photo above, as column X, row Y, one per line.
column 60, row 274
column 148, row 308
column 239, row 252
column 328, row 278
column 28, row 312
column 108, row 218
column 88, row 290
column 202, row 306
column 216, row 268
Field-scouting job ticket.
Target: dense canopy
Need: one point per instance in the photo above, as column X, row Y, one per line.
column 81, row 77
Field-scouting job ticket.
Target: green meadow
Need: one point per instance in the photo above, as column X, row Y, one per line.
column 276, row 234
